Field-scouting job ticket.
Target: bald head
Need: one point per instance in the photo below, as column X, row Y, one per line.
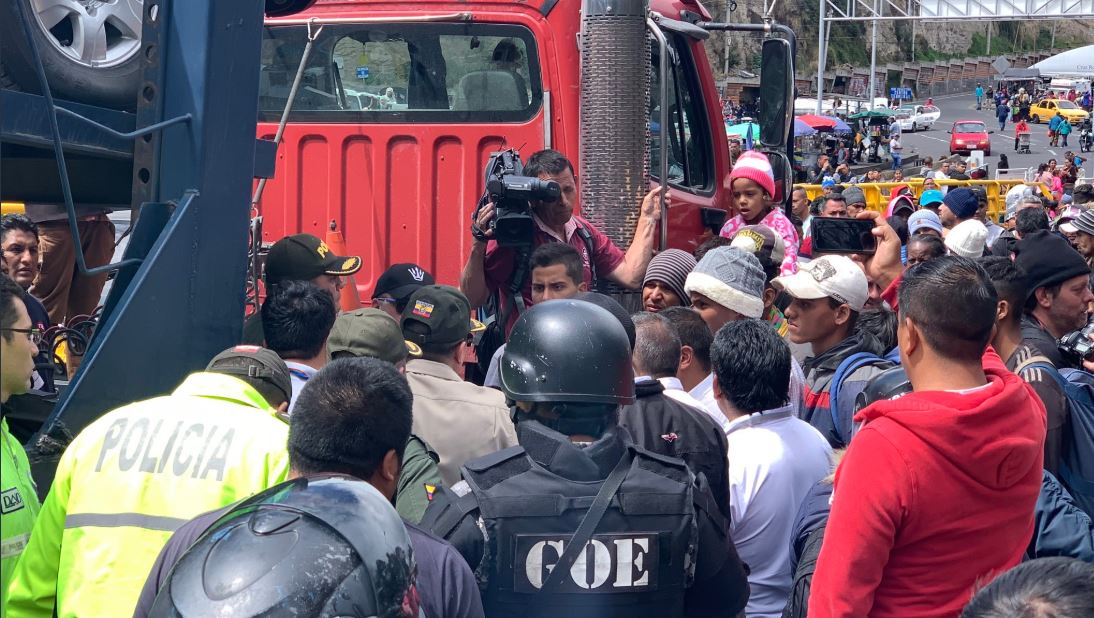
column 656, row 346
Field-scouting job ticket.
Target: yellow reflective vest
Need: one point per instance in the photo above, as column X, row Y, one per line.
column 130, row 479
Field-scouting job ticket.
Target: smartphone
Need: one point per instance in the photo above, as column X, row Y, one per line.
column 842, row 235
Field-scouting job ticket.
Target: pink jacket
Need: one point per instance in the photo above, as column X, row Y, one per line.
column 777, row 221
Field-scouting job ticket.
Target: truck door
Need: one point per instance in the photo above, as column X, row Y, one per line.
column 692, row 157
column 390, row 130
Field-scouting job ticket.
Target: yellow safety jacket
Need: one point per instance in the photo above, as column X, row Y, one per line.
column 130, row 479
column 18, row 506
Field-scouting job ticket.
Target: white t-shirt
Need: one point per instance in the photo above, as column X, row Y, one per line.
column 774, row 459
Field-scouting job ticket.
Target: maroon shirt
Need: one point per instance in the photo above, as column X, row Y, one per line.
column 499, row 262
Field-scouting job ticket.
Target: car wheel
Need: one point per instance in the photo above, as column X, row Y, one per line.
column 1035, row 119
column 89, row 50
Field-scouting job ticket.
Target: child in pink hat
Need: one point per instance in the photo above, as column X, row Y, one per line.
column 752, row 185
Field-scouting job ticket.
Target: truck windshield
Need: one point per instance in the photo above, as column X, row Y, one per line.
column 396, row 73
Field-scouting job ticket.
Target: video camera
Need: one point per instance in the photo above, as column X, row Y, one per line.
column 1076, row 346
column 510, row 190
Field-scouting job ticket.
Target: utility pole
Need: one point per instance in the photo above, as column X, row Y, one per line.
column 873, row 58
column 820, row 56
column 728, row 42
column 1052, row 45
column 987, row 52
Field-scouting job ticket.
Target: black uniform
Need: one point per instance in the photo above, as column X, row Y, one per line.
column 666, row 426
column 662, row 548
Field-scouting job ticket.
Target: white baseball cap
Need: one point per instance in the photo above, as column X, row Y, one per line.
column 834, row 276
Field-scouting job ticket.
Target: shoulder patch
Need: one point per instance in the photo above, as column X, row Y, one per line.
column 489, row 461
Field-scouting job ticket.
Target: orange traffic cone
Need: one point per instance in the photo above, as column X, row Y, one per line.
column 337, row 243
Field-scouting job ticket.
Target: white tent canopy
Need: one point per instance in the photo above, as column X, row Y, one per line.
column 1077, row 62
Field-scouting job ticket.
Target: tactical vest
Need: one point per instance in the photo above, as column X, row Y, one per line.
column 638, row 563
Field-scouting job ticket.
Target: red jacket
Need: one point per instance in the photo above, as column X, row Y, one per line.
column 934, row 497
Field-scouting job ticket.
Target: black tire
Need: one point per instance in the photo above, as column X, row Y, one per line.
column 1035, row 119
column 115, row 86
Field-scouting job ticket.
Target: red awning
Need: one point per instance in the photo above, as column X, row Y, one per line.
column 818, row 122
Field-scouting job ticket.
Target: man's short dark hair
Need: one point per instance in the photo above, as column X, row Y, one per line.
column 556, row 253
column 936, row 247
column 347, row 418
column 752, row 364
column 952, row 301
column 1010, row 283
column 296, row 318
column 656, row 345
column 10, row 293
column 18, row 222
column 692, row 331
column 547, row 162
column 1055, row 587
column 1029, row 220
column 817, row 205
column 709, row 244
column 835, row 197
column 879, row 322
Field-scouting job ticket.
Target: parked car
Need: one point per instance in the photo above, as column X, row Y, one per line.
column 917, row 117
column 969, row 135
column 1044, row 110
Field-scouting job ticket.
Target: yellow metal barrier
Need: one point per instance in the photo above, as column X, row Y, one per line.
column 877, row 193
column 8, row 208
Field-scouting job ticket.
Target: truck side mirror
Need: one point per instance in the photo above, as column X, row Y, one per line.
column 776, row 90
column 783, row 171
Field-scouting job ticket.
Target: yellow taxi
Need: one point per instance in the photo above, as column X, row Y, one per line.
column 1044, row 110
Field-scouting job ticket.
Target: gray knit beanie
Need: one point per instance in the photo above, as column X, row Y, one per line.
column 732, row 278
column 671, row 267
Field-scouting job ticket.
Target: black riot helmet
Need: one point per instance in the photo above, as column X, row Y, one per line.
column 888, row 384
column 568, row 351
column 326, row 546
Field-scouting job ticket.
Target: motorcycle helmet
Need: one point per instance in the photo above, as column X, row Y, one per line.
column 328, row 546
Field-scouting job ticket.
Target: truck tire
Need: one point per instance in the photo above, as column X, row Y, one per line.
column 90, row 51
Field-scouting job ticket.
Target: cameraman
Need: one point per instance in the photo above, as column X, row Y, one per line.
column 489, row 269
column 1059, row 293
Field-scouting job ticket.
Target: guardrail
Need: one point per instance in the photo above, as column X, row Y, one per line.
column 877, row 193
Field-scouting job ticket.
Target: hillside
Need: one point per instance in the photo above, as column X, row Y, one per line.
column 849, row 43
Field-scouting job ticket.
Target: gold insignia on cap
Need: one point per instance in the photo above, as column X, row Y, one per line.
column 348, row 264
column 413, row 349
column 322, row 249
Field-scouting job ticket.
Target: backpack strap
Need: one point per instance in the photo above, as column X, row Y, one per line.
column 848, row 366
column 587, row 238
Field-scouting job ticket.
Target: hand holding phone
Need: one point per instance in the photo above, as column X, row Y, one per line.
column 843, row 235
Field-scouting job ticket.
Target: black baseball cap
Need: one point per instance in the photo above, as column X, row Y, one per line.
column 401, row 280
column 303, row 257
column 440, row 315
column 260, row 363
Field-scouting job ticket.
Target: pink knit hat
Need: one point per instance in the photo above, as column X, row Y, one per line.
column 755, row 167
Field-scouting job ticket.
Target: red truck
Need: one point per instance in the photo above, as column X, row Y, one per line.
column 400, row 105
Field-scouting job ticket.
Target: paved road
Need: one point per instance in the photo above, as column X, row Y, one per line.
column 936, row 142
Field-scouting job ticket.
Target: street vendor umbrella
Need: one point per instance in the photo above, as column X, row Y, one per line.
column 877, row 112
column 743, row 130
column 841, row 126
column 803, row 130
column 818, row 122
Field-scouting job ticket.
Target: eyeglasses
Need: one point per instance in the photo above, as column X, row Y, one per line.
column 33, row 334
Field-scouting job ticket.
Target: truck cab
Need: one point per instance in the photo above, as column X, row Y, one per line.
column 400, row 107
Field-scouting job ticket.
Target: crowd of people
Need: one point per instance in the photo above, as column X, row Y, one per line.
column 776, row 431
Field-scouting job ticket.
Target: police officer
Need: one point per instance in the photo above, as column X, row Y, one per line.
column 577, row 520
column 137, row 473
column 300, row 548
